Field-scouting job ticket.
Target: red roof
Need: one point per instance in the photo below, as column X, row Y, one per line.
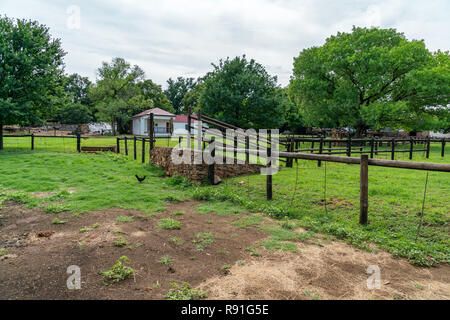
column 156, row 112
column 182, row 118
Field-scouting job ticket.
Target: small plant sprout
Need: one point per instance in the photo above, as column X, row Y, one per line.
column 57, row 221
column 3, row 252
column 178, row 213
column 120, row 242
column 177, row 241
column 95, row 226
column 119, row 271
column 166, row 260
column 85, row 229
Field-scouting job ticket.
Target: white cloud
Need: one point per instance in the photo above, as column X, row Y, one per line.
column 173, row 38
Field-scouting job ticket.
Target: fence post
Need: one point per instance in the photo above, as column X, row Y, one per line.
column 393, row 149
column 411, row 148
column 118, row 145
column 247, row 148
column 372, row 142
column 143, row 150
column 428, row 147
column 32, row 141
column 126, row 146
column 312, row 146
column 189, row 128
column 269, row 175
column 364, row 189
column 211, row 166
column 376, row 147
column 349, row 146
column 78, row 142
column 443, row 147
column 235, row 145
column 134, row 144
column 319, row 163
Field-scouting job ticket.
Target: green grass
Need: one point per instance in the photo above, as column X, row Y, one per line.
column 395, row 201
column 224, row 208
column 97, row 182
column 84, row 182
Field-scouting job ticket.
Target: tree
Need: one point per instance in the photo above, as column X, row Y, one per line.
column 78, row 88
column 31, row 67
column 74, row 113
column 176, row 90
column 113, row 92
column 153, row 92
column 242, row 93
column 192, row 98
column 369, row 77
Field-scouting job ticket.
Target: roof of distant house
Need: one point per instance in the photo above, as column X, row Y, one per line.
column 156, row 112
column 182, row 118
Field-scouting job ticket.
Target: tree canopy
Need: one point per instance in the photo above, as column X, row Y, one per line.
column 371, row 78
column 116, row 93
column 31, row 68
column 176, row 90
column 242, row 93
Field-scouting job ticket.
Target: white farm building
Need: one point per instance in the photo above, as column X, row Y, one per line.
column 163, row 121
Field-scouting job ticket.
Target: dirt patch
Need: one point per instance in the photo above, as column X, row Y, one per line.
column 208, row 252
column 40, row 252
column 331, row 271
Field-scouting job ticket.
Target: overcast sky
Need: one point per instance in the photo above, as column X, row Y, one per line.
column 171, row 38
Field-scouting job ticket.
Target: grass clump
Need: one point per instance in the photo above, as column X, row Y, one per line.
column 118, row 271
column 120, row 242
column 124, row 219
column 184, row 292
column 3, row 252
column 85, row 229
column 166, row 260
column 169, row 224
column 56, row 208
column 57, row 221
column 177, row 241
column 178, row 213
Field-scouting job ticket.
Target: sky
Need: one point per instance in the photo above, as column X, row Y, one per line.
column 172, row 38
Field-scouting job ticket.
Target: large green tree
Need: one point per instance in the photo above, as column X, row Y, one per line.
column 116, row 94
column 153, row 92
column 176, row 90
column 241, row 92
column 370, row 77
column 75, row 107
column 31, row 68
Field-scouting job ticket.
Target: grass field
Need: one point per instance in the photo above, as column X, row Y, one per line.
column 84, row 182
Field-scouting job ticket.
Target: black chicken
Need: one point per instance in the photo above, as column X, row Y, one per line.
column 140, row 179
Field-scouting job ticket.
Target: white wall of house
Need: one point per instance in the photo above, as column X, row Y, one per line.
column 180, row 128
column 161, row 125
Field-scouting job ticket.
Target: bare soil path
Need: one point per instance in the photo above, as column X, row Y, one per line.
column 39, row 252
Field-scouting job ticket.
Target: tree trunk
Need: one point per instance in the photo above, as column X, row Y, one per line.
column 1, row 134
column 361, row 128
column 113, row 127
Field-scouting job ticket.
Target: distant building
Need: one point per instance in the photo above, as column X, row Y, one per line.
column 163, row 121
column 180, row 125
